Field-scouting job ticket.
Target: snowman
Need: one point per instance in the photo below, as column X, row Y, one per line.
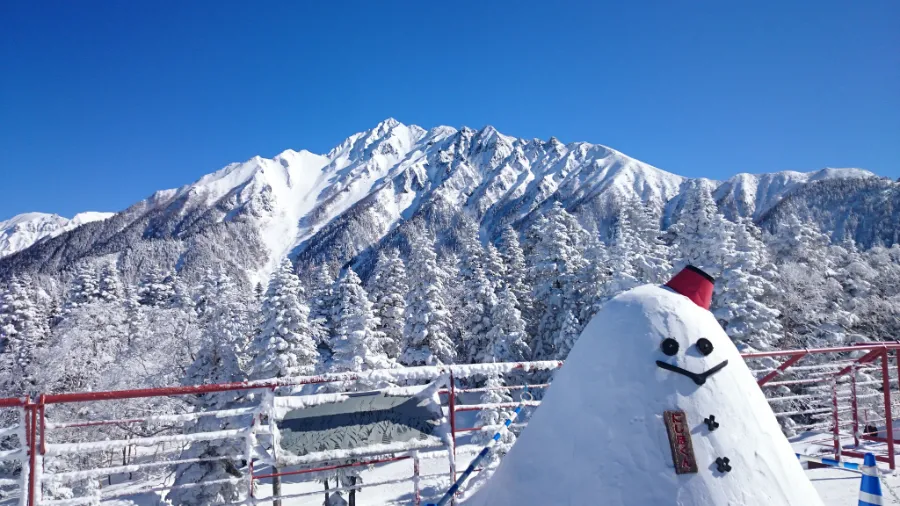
column 654, row 406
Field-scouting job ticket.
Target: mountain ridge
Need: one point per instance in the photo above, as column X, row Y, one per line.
column 343, row 203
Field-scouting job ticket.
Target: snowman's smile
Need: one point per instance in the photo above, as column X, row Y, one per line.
column 698, row 378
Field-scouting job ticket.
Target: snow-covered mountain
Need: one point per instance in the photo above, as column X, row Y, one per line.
column 23, row 230
column 751, row 195
column 336, row 206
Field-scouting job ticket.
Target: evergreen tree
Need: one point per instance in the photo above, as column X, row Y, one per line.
column 742, row 294
column 491, row 418
column 322, row 306
column 85, row 346
column 427, row 320
column 638, row 246
column 703, row 237
column 156, row 288
column 388, row 288
column 110, row 286
column 84, row 288
column 494, row 268
column 22, row 328
column 555, row 257
column 516, row 270
column 284, row 347
column 800, row 241
column 508, row 338
column 357, row 344
column 594, row 282
column 218, row 361
column 478, row 297
column 568, row 334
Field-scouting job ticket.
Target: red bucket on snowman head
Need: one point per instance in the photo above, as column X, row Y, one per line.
column 694, row 284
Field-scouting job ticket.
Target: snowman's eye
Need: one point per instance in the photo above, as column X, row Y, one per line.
column 705, row 346
column 669, row 346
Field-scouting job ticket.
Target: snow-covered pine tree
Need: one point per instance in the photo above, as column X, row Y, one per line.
column 217, row 361
column 648, row 255
column 22, row 329
column 491, row 418
column 84, row 346
column 593, row 282
column 84, row 288
column 427, row 322
column 798, row 240
column 322, row 304
column 494, row 267
column 879, row 311
column 508, row 338
column 453, row 293
column 810, row 296
column 625, row 250
column 478, row 297
column 156, row 288
column 284, row 346
column 703, row 237
column 110, row 286
column 568, row 334
column 516, row 270
column 555, row 256
column 744, row 292
column 356, row 345
column 388, row 288
column 183, row 296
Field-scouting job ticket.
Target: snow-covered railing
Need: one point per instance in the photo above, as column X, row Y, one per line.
column 845, row 391
column 844, row 385
column 65, row 444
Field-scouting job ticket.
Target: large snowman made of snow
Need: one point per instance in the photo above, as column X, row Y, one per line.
column 654, row 406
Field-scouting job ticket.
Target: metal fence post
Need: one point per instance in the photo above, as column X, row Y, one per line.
column 836, row 419
column 452, row 408
column 31, row 415
column 417, row 493
column 889, row 419
column 854, row 405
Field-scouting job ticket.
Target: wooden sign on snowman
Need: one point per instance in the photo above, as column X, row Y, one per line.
column 653, row 406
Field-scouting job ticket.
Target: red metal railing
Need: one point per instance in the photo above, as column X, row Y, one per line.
column 872, row 353
column 834, row 364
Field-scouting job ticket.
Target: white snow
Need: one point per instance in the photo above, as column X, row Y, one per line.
column 23, row 230
column 600, row 430
column 754, row 194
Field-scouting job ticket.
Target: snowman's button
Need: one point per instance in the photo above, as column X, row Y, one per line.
column 711, row 423
column 722, row 465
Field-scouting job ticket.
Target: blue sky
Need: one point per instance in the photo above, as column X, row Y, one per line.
column 104, row 102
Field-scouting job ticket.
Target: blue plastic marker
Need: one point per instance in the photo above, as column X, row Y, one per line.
column 870, row 485
column 829, row 462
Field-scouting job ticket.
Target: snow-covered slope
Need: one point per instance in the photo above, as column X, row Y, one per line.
column 336, row 206
column 23, row 230
column 751, row 195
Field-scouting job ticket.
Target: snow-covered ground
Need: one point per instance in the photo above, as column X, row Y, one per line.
column 835, row 487
column 838, row 487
